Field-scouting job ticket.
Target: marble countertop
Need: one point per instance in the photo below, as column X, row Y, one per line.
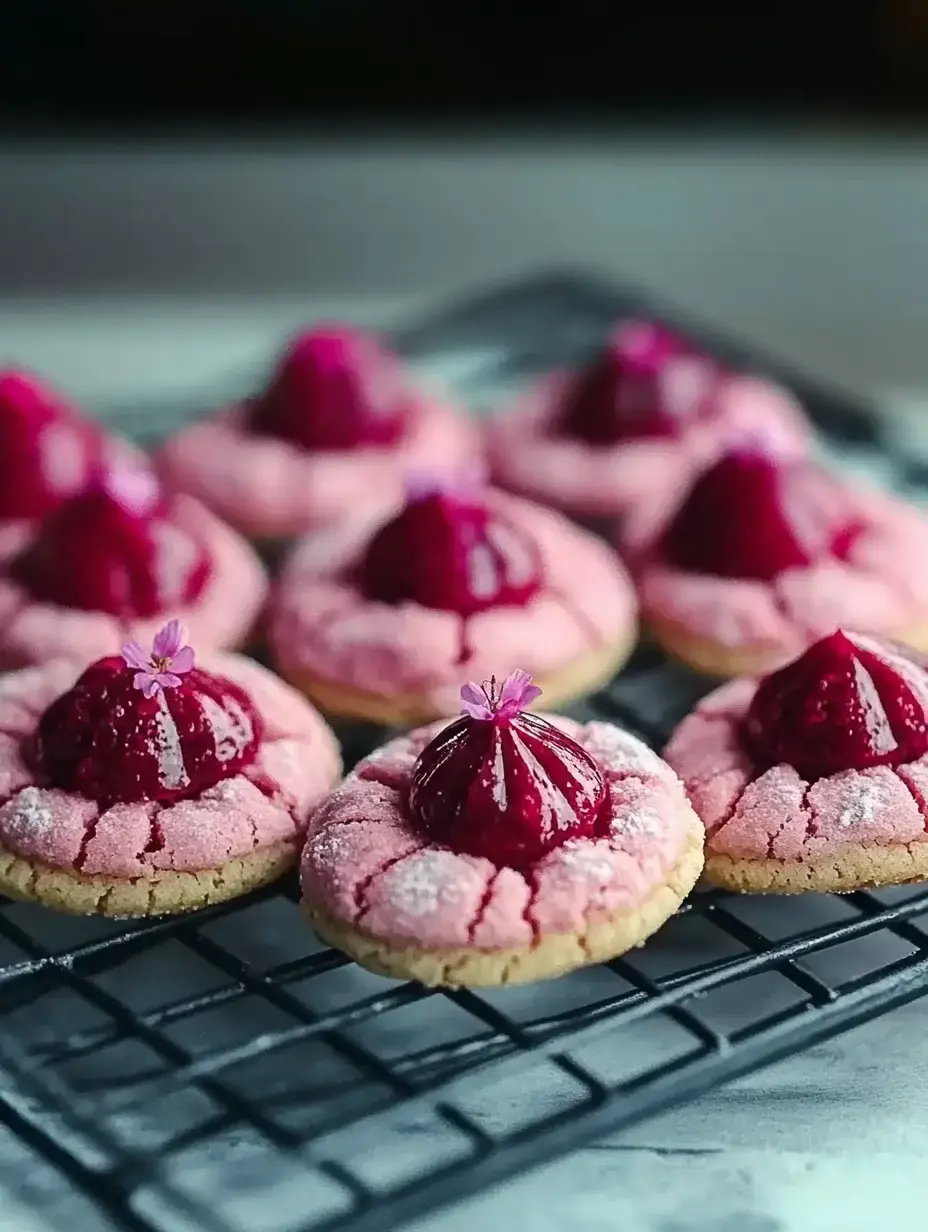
column 832, row 1139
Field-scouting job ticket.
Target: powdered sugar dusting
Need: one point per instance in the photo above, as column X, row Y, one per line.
column 632, row 822
column 170, row 755
column 231, row 726
column 618, row 750
column 865, row 804
column 418, row 885
column 27, row 816
column 586, row 860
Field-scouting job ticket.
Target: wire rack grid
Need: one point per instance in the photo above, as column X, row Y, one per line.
column 226, row 1071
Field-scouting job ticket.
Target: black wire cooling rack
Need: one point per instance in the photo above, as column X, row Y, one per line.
column 225, row 1071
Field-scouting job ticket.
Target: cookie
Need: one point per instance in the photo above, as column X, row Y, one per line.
column 501, row 848
column 375, row 622
column 814, row 778
column 49, row 451
column 767, row 553
column 110, row 561
column 641, row 420
column 333, row 434
column 148, row 784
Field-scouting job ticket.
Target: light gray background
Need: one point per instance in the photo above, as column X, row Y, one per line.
column 816, row 245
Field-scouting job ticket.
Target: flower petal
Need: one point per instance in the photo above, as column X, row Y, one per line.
column 167, row 680
column 146, row 683
column 183, row 661
column 168, row 640
column 134, row 656
column 474, row 702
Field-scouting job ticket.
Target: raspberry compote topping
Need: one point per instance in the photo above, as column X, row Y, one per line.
column 504, row 784
column 845, row 704
column 755, row 514
column 448, row 551
column 47, row 452
column 334, row 388
column 139, row 726
column 114, row 549
column 647, row 382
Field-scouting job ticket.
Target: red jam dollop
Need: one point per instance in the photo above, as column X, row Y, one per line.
column 334, row 389
column 114, row 549
column 754, row 515
column 447, row 551
column 647, row 382
column 842, row 705
column 138, row 727
column 47, row 452
column 505, row 784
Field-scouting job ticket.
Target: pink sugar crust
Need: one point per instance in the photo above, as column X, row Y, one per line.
column 269, row 803
column 270, row 489
column 779, row 815
column 322, row 626
column 599, row 481
column 365, row 865
column 222, row 616
column 882, row 588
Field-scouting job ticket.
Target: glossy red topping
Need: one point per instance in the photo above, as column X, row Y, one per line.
column 843, row 705
column 146, row 727
column 754, row 515
column 647, row 382
column 503, row 784
column 334, row 388
column 114, row 549
column 446, row 550
column 47, row 452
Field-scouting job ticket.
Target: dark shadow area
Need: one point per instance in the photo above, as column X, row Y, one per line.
column 103, row 63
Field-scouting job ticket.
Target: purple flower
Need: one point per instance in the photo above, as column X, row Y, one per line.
column 485, row 702
column 169, row 660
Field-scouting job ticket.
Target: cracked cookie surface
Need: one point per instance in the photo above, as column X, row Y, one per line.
column 404, row 906
column 775, row 831
column 404, row 662
column 733, row 626
column 67, row 851
column 223, row 615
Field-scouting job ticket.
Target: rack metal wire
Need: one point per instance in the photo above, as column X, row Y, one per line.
column 227, row 1071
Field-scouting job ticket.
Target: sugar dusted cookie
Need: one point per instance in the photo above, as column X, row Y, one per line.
column 501, row 848
column 636, row 423
column 112, row 561
column 815, row 777
column 148, row 784
column 334, row 433
column 379, row 622
column 49, row 451
column 768, row 552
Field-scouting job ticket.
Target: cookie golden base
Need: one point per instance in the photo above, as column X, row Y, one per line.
column 857, row 866
column 162, row 893
column 560, row 688
column 550, row 956
column 723, row 663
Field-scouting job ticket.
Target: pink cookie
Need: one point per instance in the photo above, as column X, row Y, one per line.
column 49, row 452
column 815, row 778
column 766, row 554
column 637, row 424
column 119, row 803
column 101, row 568
column 335, row 434
column 380, row 622
column 438, row 860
